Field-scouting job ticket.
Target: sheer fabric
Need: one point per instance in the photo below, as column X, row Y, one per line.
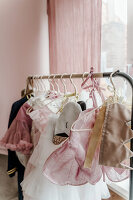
column 17, row 137
column 75, row 35
column 66, row 164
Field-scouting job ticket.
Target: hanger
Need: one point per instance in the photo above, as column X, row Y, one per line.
column 43, row 84
column 36, row 86
column 51, row 94
column 50, row 81
column 93, row 87
column 58, row 89
column 39, row 82
column 63, row 83
column 28, row 91
column 23, row 93
column 113, row 98
column 87, row 85
column 75, row 89
column 67, row 96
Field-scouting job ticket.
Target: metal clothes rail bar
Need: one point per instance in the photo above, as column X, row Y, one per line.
column 64, row 76
column 100, row 75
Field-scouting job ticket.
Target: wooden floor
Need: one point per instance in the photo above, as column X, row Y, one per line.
column 114, row 196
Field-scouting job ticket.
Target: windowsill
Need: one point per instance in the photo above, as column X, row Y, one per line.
column 120, row 188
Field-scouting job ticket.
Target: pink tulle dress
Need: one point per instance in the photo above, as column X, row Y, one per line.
column 39, row 118
column 37, row 187
column 66, row 164
column 18, row 136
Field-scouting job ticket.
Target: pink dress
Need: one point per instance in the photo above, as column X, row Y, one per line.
column 40, row 118
column 17, row 137
column 37, row 187
column 66, row 164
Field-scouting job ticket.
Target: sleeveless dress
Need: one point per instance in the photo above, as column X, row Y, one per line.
column 66, row 164
column 37, row 186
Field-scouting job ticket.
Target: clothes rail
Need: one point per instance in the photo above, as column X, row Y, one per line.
column 100, row 75
column 58, row 76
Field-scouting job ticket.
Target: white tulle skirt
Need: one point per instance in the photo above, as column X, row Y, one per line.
column 38, row 187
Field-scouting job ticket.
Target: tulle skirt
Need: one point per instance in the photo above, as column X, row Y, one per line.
column 37, row 187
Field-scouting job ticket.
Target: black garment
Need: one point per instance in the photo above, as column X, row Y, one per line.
column 13, row 161
column 82, row 104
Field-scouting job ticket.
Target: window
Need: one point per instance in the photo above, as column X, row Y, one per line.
column 114, row 35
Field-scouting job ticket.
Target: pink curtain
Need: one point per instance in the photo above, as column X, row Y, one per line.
column 75, row 35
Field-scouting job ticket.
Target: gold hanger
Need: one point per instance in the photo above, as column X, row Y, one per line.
column 28, row 91
column 67, row 96
column 75, row 89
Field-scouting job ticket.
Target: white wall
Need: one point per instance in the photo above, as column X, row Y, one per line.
column 130, row 32
column 23, row 49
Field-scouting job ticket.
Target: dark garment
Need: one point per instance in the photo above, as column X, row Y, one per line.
column 82, row 104
column 13, row 161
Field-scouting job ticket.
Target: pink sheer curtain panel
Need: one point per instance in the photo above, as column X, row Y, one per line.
column 75, row 35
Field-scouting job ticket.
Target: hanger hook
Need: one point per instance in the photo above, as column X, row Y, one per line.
column 63, row 82
column 39, row 84
column 31, row 82
column 83, row 75
column 75, row 88
column 58, row 89
column 43, row 84
column 86, row 83
column 58, row 86
column 34, row 84
column 111, row 80
column 51, row 82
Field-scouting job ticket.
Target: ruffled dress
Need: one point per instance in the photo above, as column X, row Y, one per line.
column 37, row 186
column 18, row 136
column 66, row 164
column 42, row 109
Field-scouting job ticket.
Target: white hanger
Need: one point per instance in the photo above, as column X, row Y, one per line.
column 50, row 81
column 58, row 89
column 75, row 88
column 63, row 82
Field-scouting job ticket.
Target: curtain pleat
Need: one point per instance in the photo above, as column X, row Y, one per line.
column 75, row 35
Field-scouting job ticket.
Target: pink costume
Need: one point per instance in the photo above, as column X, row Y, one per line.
column 115, row 134
column 36, row 186
column 66, row 164
column 17, row 137
column 40, row 118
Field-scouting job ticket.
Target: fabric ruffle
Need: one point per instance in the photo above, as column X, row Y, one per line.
column 18, row 136
column 40, row 118
column 37, row 186
column 37, row 155
column 66, row 164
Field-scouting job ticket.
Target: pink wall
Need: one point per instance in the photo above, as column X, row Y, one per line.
column 23, row 49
